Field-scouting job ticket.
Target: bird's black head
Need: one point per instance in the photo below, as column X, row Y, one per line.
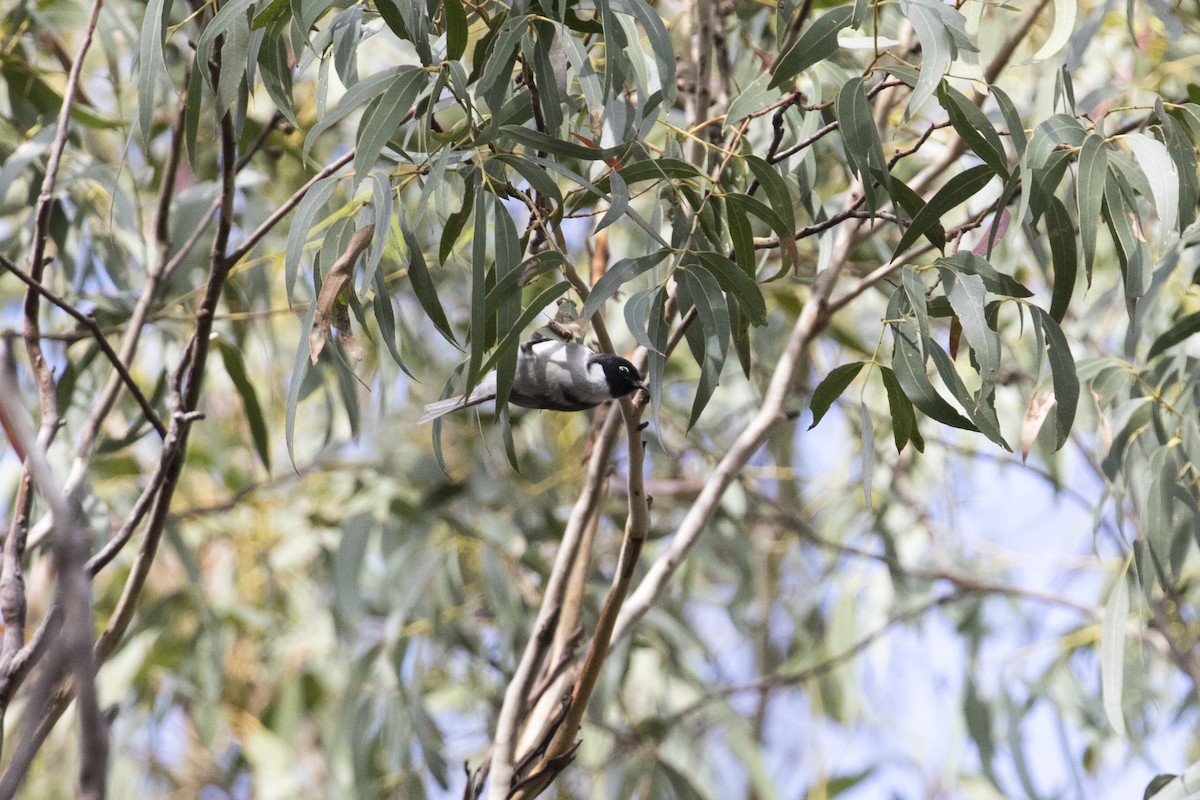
column 622, row 377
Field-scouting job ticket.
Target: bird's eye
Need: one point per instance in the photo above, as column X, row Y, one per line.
column 624, row 369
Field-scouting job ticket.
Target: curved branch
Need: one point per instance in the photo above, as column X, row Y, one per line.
column 89, row 322
column 814, row 317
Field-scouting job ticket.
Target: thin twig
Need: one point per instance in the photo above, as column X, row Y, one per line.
column 89, row 322
column 239, row 252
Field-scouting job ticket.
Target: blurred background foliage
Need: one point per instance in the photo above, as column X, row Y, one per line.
column 887, row 604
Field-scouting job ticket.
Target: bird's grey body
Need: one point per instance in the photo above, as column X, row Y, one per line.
column 554, row 375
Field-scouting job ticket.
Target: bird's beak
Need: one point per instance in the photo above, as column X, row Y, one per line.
column 641, row 385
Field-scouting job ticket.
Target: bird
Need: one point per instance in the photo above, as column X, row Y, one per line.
column 553, row 375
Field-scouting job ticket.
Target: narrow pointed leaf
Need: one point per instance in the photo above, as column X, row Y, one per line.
column 831, row 388
column 235, row 367
column 968, row 296
column 974, row 127
column 456, row 29
column 1093, row 166
column 1112, row 651
column 423, row 288
column 1065, row 378
column 781, row 202
column 958, row 189
column 817, row 43
column 736, row 283
column 617, row 275
column 1181, row 330
column 713, row 313
column 904, row 421
column 863, row 147
column 1061, row 233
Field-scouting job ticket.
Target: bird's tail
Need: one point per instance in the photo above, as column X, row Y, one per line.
column 441, row 408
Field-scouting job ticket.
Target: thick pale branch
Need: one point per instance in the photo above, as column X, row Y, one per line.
column 813, row 319
column 74, row 645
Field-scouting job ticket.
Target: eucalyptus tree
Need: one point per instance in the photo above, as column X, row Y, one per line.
column 924, row 235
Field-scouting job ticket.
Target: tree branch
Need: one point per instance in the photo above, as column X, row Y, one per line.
column 89, row 322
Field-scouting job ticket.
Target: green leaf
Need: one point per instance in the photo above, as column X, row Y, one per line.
column 754, row 98
column 152, row 68
column 479, row 265
column 904, row 421
column 393, row 106
column 742, row 236
column 382, row 206
column 1154, row 159
column 1119, row 213
column 977, row 714
column 931, row 32
column 423, row 288
column 1016, row 128
column 1175, row 334
column 389, row 10
column 458, row 220
column 914, row 292
column 713, row 312
column 536, row 44
column 781, row 202
column 1061, row 233
column 355, row 98
column 508, row 309
column 912, row 203
column 657, row 169
column 537, row 178
column 864, row 150
column 974, row 127
column 385, row 317
column 1060, row 33
column 300, row 371
column 619, row 204
column 831, row 388
column 302, row 224
column 231, row 23
column 346, row 29
column 660, row 43
column 617, row 275
column 980, row 408
column 750, row 205
column 658, row 330
column 1183, row 153
column 737, row 283
column 191, row 119
column 1093, row 166
column 909, row 366
column 1065, row 379
column 276, row 71
column 818, row 42
column 995, row 281
column 455, row 18
column 866, row 453
column 235, row 367
column 637, row 316
column 1112, row 651
column 551, row 144
column 270, row 14
column 1162, row 781
column 958, row 189
column 967, row 296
